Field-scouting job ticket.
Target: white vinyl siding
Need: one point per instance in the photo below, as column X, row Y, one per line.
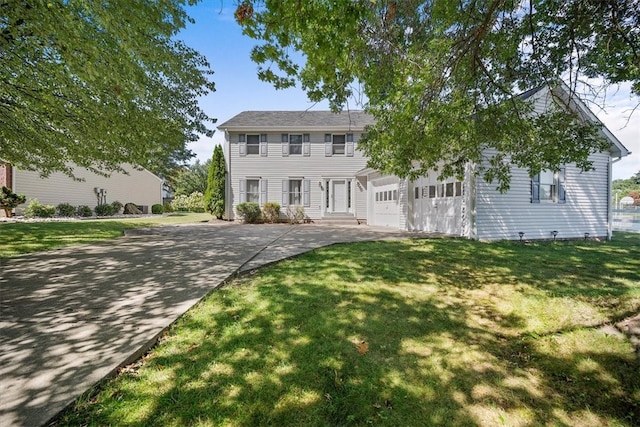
column 315, row 167
column 139, row 186
column 503, row 216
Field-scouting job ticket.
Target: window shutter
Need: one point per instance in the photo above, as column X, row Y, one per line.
column 328, row 145
column 243, row 190
column 306, row 192
column 562, row 194
column 285, row 192
column 285, row 144
column 535, row 189
column 242, row 145
column 349, row 147
column 306, row 144
column 263, row 145
column 263, row 191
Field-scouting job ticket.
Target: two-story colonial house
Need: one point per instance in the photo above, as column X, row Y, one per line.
column 311, row 158
column 306, row 158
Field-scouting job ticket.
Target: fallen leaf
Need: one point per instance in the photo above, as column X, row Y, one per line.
column 362, row 347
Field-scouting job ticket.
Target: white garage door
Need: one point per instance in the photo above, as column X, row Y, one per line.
column 384, row 202
column 437, row 206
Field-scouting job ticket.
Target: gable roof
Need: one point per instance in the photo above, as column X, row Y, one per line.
column 354, row 120
column 571, row 101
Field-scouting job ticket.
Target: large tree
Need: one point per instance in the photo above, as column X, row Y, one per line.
column 98, row 83
column 441, row 76
column 191, row 179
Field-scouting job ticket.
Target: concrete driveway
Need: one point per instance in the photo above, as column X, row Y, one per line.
column 72, row 316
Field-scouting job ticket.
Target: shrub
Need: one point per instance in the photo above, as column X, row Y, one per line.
column 271, row 212
column 104, row 210
column 84, row 211
column 214, row 195
column 249, row 212
column 194, row 202
column 35, row 209
column 116, row 206
column 295, row 214
column 10, row 200
column 167, row 207
column 157, row 209
column 65, row 209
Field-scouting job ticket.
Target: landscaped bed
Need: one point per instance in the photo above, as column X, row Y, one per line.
column 410, row 333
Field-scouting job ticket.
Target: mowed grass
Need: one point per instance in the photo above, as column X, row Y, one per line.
column 410, row 333
column 25, row 237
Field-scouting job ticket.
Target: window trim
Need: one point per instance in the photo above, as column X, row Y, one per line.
column 558, row 187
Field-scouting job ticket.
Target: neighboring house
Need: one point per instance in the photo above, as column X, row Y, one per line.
column 298, row 158
column 139, row 186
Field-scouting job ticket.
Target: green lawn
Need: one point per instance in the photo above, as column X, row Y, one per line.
column 411, row 333
column 25, row 237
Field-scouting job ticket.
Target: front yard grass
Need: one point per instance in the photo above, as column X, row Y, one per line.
column 410, row 333
column 24, row 237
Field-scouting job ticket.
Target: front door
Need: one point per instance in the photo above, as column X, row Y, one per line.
column 339, row 193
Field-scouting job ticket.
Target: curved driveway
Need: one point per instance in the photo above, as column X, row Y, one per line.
column 71, row 316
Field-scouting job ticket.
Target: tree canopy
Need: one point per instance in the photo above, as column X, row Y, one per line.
column 441, row 77
column 97, row 84
column 191, row 179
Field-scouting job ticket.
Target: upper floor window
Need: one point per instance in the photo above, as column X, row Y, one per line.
column 549, row 186
column 338, row 144
column 295, row 144
column 253, row 144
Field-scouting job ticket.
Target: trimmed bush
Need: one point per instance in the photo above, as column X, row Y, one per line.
column 35, row 209
column 157, row 209
column 65, row 209
column 295, row 214
column 249, row 212
column 84, row 211
column 104, row 210
column 271, row 212
column 116, row 206
column 10, row 200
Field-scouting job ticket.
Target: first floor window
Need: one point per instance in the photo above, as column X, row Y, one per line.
column 253, row 190
column 295, row 191
column 548, row 186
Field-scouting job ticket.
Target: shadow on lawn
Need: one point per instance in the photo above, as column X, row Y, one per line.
column 284, row 351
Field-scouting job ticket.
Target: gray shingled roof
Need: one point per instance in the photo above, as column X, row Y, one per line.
column 297, row 119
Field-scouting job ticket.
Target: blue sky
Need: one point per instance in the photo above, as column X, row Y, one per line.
column 218, row 37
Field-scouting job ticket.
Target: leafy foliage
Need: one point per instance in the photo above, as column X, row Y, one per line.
column 192, row 178
column 84, row 211
column 35, row 209
column 628, row 187
column 10, row 200
column 214, row 200
column 271, row 212
column 194, row 202
column 440, row 77
column 98, row 84
column 157, row 209
column 295, row 214
column 117, row 205
column 249, row 212
column 65, row 209
column 104, row 210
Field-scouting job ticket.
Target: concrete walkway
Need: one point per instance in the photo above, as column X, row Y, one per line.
column 69, row 317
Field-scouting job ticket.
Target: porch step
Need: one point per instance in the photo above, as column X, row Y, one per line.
column 337, row 219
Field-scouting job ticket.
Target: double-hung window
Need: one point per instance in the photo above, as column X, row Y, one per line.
column 253, row 144
column 548, row 186
column 295, row 144
column 253, row 190
column 338, row 144
column 295, row 192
